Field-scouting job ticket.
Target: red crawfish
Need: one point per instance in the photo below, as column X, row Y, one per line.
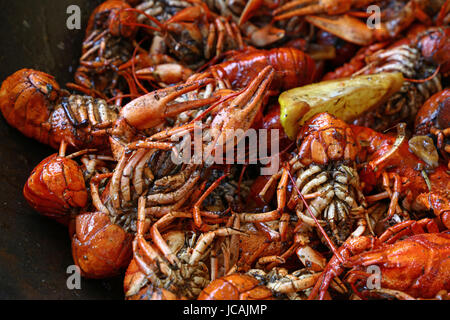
column 256, row 284
column 101, row 244
column 133, row 175
column 236, row 287
column 99, row 247
column 173, row 263
column 324, row 165
column 195, row 35
column 293, row 68
column 33, row 102
column 56, row 187
column 434, row 45
column 107, row 45
column 420, row 183
column 426, row 278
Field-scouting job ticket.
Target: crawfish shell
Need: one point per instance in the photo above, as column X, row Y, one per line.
column 236, row 287
column 100, row 248
column 434, row 112
column 26, row 101
column 55, row 187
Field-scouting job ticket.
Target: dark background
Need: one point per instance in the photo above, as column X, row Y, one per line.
column 35, row 251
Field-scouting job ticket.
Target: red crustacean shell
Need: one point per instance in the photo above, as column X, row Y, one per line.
column 324, row 138
column 100, row 248
column 111, row 14
column 257, row 186
column 271, row 121
column 435, row 46
column 293, row 68
column 355, row 64
column 236, row 287
column 132, row 276
column 418, row 265
column 434, row 112
column 55, row 187
column 27, row 99
column 32, row 102
column 254, row 241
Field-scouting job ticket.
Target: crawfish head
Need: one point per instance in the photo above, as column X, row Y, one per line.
column 27, row 99
column 326, row 138
column 327, row 149
column 434, row 44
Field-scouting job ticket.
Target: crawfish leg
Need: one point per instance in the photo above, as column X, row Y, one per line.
column 158, row 239
column 394, row 195
column 275, row 214
column 142, row 249
column 196, row 211
column 206, row 239
column 175, row 196
column 409, row 227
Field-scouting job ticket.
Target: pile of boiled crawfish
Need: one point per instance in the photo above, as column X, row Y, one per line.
column 363, row 116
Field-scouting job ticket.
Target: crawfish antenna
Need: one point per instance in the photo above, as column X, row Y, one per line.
column 133, row 68
column 426, row 79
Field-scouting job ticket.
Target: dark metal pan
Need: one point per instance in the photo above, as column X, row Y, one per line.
column 35, row 251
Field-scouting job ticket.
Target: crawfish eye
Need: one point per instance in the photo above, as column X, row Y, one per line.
column 49, row 88
column 423, row 147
